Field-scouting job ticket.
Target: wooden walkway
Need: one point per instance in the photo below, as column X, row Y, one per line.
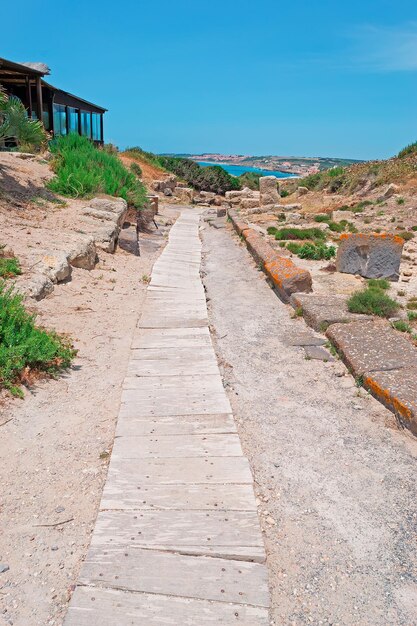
column 177, row 538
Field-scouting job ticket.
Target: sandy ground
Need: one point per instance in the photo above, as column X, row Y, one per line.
column 55, row 444
column 334, row 477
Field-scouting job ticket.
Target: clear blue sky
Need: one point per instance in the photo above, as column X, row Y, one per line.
column 303, row 77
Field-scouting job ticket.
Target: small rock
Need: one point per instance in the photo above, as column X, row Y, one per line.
column 270, row 520
column 60, row 509
column 3, row 568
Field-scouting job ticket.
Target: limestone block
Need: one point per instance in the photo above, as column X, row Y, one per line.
column 268, row 187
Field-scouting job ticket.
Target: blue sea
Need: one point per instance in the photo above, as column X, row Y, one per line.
column 237, row 170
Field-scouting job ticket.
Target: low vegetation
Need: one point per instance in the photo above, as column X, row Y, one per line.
column 373, row 300
column 9, row 267
column 212, row 178
column 347, row 180
column 82, row 170
column 283, row 234
column 315, row 252
column 24, row 347
column 16, row 127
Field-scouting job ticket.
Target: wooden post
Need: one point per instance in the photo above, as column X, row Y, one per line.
column 29, row 96
column 39, row 98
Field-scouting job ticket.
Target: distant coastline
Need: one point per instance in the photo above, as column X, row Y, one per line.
column 238, row 170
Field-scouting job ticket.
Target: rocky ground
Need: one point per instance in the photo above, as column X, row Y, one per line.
column 334, row 476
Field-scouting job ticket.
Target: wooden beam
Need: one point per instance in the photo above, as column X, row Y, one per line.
column 39, row 98
column 29, row 96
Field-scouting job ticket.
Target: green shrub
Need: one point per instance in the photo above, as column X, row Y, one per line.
column 284, row 193
column 312, row 251
column 408, row 150
column 299, row 233
column 402, row 326
column 372, row 301
column 412, row 304
column 9, row 267
column 250, row 180
column 81, row 170
column 212, row 178
column 322, row 218
column 271, row 230
column 379, row 283
column 24, row 345
column 400, row 201
column 406, row 235
column 338, row 227
column 312, row 181
column 136, row 169
column 414, row 228
column 412, row 315
column 352, row 228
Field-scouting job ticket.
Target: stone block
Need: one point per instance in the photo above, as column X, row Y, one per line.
column 268, row 187
column 337, row 216
column 370, row 256
column 385, row 361
column 287, row 278
column 320, row 311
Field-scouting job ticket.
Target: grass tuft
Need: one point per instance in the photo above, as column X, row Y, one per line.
column 9, row 267
column 315, row 252
column 82, row 170
column 24, row 346
column 372, row 301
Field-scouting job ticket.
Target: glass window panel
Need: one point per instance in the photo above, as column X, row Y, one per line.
column 96, row 124
column 86, row 123
column 73, row 120
column 60, row 119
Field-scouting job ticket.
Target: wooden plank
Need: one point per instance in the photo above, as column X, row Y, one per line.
column 92, row 606
column 177, row 367
column 172, row 338
column 121, row 493
column 229, row 534
column 168, row 403
column 131, row 423
column 176, row 446
column 192, row 471
column 158, row 572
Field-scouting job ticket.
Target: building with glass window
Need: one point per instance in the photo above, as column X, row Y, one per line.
column 61, row 112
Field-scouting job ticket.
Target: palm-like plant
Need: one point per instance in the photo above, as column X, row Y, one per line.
column 15, row 124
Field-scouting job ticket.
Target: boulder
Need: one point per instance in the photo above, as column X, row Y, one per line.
column 268, row 187
column 83, row 253
column 167, row 191
column 55, row 266
column 389, row 191
column 249, row 203
column 294, row 218
column 115, row 206
column 167, row 183
column 342, row 215
column 184, row 194
column 37, row 287
column 208, row 195
column 302, row 191
column 370, row 256
column 221, row 211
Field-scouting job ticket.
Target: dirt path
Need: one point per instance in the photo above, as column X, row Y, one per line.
column 335, row 480
column 56, row 446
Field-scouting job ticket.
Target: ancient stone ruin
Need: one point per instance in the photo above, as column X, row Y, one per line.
column 370, row 256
